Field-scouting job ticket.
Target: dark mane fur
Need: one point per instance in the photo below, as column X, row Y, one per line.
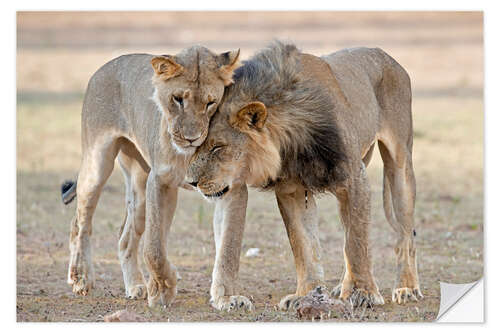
column 301, row 113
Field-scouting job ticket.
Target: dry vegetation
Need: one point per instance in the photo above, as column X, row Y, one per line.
column 57, row 53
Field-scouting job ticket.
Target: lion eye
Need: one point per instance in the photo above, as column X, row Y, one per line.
column 209, row 104
column 179, row 100
column 215, row 148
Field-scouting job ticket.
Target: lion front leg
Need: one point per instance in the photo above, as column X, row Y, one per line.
column 161, row 201
column 299, row 213
column 229, row 223
column 135, row 176
column 358, row 285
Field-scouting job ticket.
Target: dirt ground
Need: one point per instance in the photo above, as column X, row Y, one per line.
column 58, row 52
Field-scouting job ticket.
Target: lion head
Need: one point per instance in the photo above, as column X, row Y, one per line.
column 238, row 149
column 274, row 125
column 188, row 87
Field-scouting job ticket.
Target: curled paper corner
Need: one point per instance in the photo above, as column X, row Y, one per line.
column 461, row 302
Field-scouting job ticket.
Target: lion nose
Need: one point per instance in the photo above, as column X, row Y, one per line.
column 191, row 181
column 192, row 139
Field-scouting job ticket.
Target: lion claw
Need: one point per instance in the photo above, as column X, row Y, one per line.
column 401, row 295
column 137, row 292
column 289, row 302
column 232, row 303
column 160, row 295
column 80, row 281
column 81, row 287
column 360, row 296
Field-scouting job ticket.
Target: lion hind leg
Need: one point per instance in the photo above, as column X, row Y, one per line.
column 97, row 165
column 399, row 204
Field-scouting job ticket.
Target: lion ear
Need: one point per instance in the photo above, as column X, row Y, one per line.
column 165, row 67
column 251, row 116
column 228, row 61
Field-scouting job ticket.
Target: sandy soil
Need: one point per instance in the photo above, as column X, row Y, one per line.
column 58, row 52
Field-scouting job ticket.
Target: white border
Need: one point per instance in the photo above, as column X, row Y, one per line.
column 492, row 121
column 310, row 5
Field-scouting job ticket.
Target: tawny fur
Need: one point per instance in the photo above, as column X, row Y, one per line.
column 150, row 112
column 323, row 116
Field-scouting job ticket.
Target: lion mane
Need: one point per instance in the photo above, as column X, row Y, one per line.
column 301, row 124
column 299, row 121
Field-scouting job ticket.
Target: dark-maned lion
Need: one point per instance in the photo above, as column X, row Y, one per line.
column 301, row 125
column 151, row 112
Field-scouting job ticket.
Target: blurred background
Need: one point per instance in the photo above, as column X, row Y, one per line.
column 57, row 52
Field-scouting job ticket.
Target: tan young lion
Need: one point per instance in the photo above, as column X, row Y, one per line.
column 151, row 112
column 301, row 125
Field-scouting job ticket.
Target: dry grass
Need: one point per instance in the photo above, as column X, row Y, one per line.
column 448, row 159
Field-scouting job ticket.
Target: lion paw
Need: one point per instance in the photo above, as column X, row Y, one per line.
column 137, row 292
column 361, row 296
column 82, row 286
column 289, row 302
column 81, row 280
column 358, row 296
column 232, row 303
column 401, row 295
column 160, row 296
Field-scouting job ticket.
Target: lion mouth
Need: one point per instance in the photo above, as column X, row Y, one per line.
column 217, row 194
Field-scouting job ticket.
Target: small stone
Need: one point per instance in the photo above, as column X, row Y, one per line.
column 252, row 252
column 317, row 305
column 124, row 316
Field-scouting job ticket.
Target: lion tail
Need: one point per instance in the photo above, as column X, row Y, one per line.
column 68, row 191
